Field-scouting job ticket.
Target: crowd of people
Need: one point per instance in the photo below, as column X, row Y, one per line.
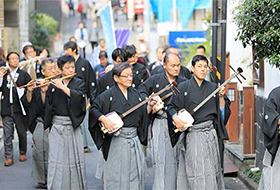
column 124, row 105
column 50, row 98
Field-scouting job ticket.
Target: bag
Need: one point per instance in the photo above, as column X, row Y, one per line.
column 80, row 8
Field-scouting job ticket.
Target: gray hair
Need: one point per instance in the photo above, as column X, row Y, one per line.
column 118, row 68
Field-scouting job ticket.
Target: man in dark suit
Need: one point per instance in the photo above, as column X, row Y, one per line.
column 158, row 62
column 184, row 71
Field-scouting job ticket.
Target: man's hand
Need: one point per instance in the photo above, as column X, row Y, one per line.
column 30, row 88
column 109, row 125
column 222, row 91
column 179, row 123
column 153, row 101
column 2, row 73
column 38, row 60
column 58, row 83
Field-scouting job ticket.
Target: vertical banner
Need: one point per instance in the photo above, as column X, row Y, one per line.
column 106, row 18
column 122, row 37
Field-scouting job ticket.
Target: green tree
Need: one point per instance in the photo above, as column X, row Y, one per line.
column 43, row 27
column 189, row 50
column 258, row 23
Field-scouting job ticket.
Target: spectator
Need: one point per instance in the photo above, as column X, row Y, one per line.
column 81, row 34
column 100, row 69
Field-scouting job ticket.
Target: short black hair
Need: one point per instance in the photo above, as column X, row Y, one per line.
column 46, row 50
column 168, row 55
column 81, row 22
column 121, row 53
column 71, row 45
column 118, row 68
column 130, row 50
column 101, row 39
column 72, row 37
column 201, row 47
column 168, row 50
column 26, row 47
column 45, row 61
column 197, row 58
column 65, row 59
column 10, row 53
column 103, row 54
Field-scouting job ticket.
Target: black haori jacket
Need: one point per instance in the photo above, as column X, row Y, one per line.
column 21, row 78
column 58, row 103
column 113, row 100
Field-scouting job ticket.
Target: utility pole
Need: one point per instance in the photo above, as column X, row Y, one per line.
column 223, row 22
column 218, row 24
column 214, row 25
column 175, row 14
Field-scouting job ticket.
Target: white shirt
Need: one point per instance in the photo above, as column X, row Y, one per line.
column 157, row 63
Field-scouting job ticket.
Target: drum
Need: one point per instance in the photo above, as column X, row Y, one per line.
column 185, row 116
column 115, row 118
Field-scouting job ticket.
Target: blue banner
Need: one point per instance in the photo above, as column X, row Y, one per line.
column 186, row 37
column 108, row 28
column 122, row 37
column 162, row 9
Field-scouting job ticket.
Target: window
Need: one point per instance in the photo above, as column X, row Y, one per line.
column 231, row 94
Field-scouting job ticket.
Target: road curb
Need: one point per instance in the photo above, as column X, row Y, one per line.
column 247, row 181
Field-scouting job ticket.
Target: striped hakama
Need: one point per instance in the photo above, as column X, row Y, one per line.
column 270, row 174
column 199, row 162
column 164, row 156
column 99, row 174
column 124, row 168
column 40, row 152
column 66, row 156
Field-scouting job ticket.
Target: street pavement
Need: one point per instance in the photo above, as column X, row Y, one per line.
column 18, row 176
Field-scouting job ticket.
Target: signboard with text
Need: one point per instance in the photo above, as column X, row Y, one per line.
column 177, row 38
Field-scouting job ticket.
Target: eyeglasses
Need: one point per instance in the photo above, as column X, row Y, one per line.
column 14, row 59
column 126, row 76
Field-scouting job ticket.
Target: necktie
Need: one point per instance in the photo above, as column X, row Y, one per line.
column 82, row 34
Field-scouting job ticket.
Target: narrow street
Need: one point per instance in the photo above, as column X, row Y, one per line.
column 18, row 176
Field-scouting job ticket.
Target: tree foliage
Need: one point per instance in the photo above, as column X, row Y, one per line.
column 43, row 27
column 258, row 24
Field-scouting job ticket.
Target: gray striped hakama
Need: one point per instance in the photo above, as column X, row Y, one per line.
column 99, row 174
column 40, row 152
column 199, row 162
column 270, row 174
column 124, row 168
column 66, row 156
column 164, row 156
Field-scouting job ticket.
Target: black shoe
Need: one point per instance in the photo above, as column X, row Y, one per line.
column 86, row 149
column 41, row 186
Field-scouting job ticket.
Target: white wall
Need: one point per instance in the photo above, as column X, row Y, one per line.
column 271, row 80
column 242, row 57
column 239, row 56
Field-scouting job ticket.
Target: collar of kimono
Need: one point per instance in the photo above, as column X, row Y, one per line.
column 193, row 81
